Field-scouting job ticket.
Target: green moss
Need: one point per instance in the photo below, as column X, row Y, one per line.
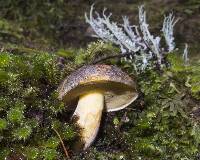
column 29, row 106
column 157, row 126
column 22, row 133
column 4, row 152
column 15, row 115
column 165, row 128
column 188, row 74
column 52, row 142
column 3, row 124
column 32, row 153
column 94, row 51
column 49, row 154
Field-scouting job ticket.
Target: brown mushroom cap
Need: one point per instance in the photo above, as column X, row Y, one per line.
column 119, row 89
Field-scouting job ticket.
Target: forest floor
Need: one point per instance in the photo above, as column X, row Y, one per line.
column 163, row 123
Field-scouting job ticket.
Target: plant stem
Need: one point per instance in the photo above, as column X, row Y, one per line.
column 63, row 145
column 111, row 56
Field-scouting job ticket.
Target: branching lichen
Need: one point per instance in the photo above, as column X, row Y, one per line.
column 135, row 39
column 168, row 31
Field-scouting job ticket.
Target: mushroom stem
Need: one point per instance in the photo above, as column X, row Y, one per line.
column 89, row 111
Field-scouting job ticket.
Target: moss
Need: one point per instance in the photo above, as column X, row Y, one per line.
column 32, row 153
column 4, row 152
column 29, row 107
column 49, row 154
column 188, row 74
column 158, row 125
column 3, row 123
column 165, row 129
column 22, row 133
column 15, row 115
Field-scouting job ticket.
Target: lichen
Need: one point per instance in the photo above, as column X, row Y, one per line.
column 136, row 40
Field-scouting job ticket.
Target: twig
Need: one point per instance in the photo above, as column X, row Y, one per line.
column 111, row 56
column 64, row 148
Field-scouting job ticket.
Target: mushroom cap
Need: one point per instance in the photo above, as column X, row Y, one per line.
column 119, row 89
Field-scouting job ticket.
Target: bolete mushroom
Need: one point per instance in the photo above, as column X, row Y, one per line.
column 96, row 86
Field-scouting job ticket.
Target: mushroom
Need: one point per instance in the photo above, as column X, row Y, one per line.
column 96, row 86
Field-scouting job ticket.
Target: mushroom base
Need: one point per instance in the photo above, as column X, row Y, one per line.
column 89, row 111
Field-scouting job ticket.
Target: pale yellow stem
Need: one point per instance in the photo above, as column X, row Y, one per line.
column 89, row 111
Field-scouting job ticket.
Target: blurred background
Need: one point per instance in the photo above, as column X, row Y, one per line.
column 53, row 24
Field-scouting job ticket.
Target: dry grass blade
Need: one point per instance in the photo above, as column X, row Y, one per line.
column 62, row 143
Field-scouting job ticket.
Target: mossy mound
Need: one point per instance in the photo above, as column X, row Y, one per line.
column 29, row 107
column 161, row 124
